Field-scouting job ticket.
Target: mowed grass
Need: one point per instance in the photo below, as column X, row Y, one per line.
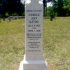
column 56, row 43
column 11, row 44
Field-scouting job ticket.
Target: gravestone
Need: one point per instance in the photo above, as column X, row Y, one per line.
column 33, row 58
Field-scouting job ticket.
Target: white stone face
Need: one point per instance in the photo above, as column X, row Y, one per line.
column 34, row 30
column 33, row 59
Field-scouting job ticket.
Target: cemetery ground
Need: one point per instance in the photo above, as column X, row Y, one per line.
column 56, row 43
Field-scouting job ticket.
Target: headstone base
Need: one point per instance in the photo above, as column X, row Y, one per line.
column 33, row 65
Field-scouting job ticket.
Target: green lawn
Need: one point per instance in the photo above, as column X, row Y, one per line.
column 56, row 43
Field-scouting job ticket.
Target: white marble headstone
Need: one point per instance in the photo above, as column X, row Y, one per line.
column 34, row 27
column 33, row 59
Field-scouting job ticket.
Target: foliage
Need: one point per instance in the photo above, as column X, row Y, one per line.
column 11, row 7
column 50, row 11
column 44, row 7
column 15, row 7
column 62, row 7
column 67, row 7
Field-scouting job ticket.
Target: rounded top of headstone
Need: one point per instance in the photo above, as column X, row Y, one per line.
column 34, row 1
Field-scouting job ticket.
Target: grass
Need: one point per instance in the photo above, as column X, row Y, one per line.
column 11, row 44
column 56, row 43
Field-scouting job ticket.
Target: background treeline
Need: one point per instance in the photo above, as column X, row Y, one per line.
column 16, row 8
column 11, row 8
column 59, row 8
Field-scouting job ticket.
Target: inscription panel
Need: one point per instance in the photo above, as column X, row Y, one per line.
column 34, row 27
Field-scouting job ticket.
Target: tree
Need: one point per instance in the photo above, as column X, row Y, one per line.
column 44, row 6
column 60, row 8
column 0, row 7
column 14, row 7
column 67, row 7
column 3, row 8
column 50, row 13
column 55, row 5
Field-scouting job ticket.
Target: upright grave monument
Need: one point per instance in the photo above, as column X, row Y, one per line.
column 33, row 58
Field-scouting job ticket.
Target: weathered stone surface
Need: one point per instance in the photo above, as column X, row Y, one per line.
column 33, row 59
